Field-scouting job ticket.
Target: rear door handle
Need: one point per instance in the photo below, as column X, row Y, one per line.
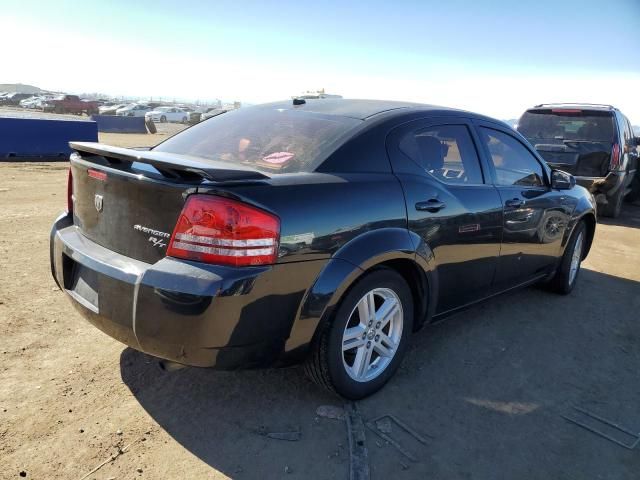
column 432, row 205
column 514, row 203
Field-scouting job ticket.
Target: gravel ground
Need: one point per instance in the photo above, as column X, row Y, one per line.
column 487, row 388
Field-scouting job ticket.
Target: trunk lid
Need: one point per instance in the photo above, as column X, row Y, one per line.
column 129, row 200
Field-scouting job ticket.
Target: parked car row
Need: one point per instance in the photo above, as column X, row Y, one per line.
column 151, row 111
column 12, row 98
column 164, row 113
column 36, row 102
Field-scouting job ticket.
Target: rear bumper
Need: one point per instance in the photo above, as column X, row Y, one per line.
column 186, row 312
column 607, row 186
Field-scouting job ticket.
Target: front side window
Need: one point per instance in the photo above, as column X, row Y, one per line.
column 513, row 163
column 446, row 152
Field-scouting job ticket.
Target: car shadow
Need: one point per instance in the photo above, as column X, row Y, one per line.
column 487, row 388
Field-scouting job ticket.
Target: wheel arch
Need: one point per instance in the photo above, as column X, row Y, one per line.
column 391, row 248
column 585, row 210
column 589, row 219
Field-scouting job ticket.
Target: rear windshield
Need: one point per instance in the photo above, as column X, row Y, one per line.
column 267, row 139
column 567, row 125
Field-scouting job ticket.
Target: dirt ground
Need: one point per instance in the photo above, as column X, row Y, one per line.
column 487, row 389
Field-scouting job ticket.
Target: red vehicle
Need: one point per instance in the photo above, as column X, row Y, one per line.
column 71, row 104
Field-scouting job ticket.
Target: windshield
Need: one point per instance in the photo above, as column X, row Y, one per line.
column 267, row 139
column 567, row 125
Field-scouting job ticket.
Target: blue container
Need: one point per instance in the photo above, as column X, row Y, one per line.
column 116, row 124
column 31, row 137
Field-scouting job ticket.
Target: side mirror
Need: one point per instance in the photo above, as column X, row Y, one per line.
column 562, row 180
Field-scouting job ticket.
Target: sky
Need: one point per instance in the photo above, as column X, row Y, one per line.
column 494, row 57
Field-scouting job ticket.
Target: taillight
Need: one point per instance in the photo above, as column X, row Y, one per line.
column 615, row 157
column 70, row 192
column 219, row 230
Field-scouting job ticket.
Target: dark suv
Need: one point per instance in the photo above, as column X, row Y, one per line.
column 595, row 143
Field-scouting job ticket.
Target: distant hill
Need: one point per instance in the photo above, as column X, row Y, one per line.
column 512, row 122
column 19, row 88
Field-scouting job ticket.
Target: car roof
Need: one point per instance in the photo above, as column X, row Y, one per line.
column 363, row 109
column 582, row 106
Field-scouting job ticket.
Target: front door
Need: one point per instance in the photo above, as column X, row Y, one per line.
column 454, row 212
column 535, row 216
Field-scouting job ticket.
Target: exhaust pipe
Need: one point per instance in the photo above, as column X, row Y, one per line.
column 169, row 366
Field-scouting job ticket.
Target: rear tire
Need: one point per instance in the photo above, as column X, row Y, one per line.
column 568, row 271
column 614, row 205
column 359, row 351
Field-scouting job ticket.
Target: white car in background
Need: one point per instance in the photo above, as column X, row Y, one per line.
column 35, row 102
column 110, row 109
column 30, row 102
column 133, row 110
column 167, row 114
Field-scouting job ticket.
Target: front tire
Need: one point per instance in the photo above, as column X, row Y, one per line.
column 163, row 119
column 566, row 276
column 360, row 350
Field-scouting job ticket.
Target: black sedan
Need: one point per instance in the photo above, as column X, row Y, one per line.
column 323, row 231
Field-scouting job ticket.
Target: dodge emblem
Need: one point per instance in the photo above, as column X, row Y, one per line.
column 97, row 202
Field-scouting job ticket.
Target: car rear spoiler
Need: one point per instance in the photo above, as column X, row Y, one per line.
column 175, row 165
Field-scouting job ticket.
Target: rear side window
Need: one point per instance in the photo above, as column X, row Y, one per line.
column 265, row 138
column 446, row 152
column 513, row 163
column 567, row 124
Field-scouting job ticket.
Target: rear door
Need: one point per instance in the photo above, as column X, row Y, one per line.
column 535, row 216
column 575, row 140
column 455, row 213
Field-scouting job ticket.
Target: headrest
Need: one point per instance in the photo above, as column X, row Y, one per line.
column 431, row 152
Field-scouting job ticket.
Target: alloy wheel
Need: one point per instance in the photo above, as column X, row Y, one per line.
column 576, row 258
column 372, row 334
